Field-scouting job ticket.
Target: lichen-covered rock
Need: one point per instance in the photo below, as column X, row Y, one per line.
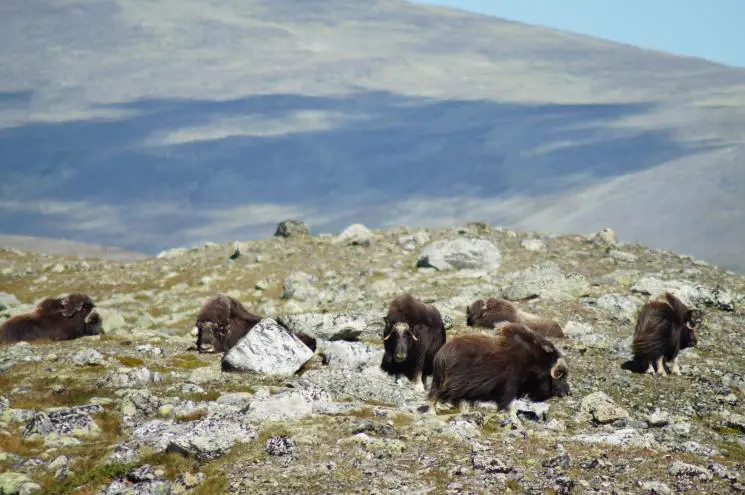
column 73, row 422
column 268, row 349
column 349, row 355
column 461, row 253
column 291, row 228
column 299, row 286
column 602, row 408
column 545, row 280
column 130, row 378
column 332, row 326
column 619, row 307
column 690, row 294
column 17, row 484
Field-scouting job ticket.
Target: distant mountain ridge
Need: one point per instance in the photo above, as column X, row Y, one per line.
column 149, row 125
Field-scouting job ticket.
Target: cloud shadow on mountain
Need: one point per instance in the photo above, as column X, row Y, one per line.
column 364, row 149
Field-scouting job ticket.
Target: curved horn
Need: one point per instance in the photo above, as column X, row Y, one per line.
column 387, row 336
column 558, row 369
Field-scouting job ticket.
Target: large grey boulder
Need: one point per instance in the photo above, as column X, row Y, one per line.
column 461, row 253
column 291, row 228
column 690, row 294
column 268, row 349
column 332, row 326
column 545, row 280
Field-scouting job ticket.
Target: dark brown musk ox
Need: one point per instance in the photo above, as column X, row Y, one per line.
column 514, row 363
column 493, row 313
column 54, row 319
column 413, row 333
column 665, row 326
column 222, row 321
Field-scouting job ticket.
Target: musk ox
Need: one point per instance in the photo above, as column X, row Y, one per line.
column 664, row 327
column 222, row 321
column 498, row 368
column 413, row 333
column 55, row 319
column 491, row 313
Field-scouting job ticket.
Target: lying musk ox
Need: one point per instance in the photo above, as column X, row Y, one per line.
column 55, row 319
column 413, row 333
column 490, row 313
column 664, row 327
column 498, row 368
column 222, row 321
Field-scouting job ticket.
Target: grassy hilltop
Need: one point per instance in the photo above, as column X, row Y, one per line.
column 134, row 407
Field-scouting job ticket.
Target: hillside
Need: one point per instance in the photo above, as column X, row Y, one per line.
column 65, row 247
column 152, row 124
column 135, row 411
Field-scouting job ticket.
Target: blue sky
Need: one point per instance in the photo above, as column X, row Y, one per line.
column 711, row 29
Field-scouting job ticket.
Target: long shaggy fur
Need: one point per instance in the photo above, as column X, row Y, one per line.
column 514, row 363
column 664, row 327
column 490, row 312
column 413, row 333
column 222, row 321
column 54, row 319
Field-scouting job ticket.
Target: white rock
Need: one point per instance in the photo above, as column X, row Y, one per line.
column 460, row 253
column 356, row 235
column 268, row 349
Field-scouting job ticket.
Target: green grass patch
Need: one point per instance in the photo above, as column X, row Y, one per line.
column 130, row 362
column 187, row 361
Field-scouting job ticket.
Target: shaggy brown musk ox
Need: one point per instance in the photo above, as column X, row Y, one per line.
column 498, row 368
column 54, row 319
column 491, row 312
column 222, row 321
column 664, row 327
column 413, row 333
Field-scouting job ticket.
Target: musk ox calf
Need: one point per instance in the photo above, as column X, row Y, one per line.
column 664, row 327
column 222, row 321
column 490, row 313
column 413, row 333
column 498, row 368
column 55, row 319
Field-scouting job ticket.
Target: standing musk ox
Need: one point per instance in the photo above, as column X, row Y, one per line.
column 413, row 333
column 54, row 319
column 222, row 321
column 664, row 327
column 498, row 368
column 492, row 313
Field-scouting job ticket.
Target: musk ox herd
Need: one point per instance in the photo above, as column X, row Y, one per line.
column 512, row 357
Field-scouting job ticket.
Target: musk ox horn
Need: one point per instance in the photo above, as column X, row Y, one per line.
column 559, row 368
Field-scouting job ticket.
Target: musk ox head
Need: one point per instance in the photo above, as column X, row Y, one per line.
column 94, row 324
column 559, row 378
column 554, row 382
column 76, row 303
column 398, row 339
column 693, row 320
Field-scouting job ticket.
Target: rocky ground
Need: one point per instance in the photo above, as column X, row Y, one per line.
column 136, row 411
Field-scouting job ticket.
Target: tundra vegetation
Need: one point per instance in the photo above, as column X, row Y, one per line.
column 138, row 408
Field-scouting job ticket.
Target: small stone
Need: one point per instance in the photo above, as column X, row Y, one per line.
column 658, row 418
column 656, row 488
column 279, row 446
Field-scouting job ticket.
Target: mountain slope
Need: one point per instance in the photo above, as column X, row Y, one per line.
column 150, row 124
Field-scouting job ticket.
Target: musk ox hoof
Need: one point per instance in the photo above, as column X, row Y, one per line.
column 418, row 386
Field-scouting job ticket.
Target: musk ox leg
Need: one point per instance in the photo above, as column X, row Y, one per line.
column 661, row 366
column 418, row 382
column 675, row 370
column 512, row 415
column 650, row 369
column 464, row 407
